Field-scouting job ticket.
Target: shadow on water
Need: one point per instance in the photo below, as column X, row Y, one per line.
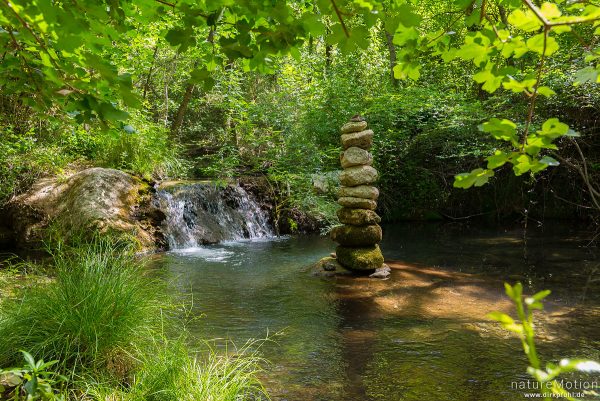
column 421, row 335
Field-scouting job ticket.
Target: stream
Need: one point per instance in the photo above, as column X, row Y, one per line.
column 420, row 335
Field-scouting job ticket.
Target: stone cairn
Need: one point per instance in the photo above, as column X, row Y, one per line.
column 359, row 235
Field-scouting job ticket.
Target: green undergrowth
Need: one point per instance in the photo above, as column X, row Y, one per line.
column 116, row 334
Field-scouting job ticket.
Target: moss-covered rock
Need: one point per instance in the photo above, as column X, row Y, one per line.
column 366, row 258
column 100, row 199
column 358, row 217
column 349, row 235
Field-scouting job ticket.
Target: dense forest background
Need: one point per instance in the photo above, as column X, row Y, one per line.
column 178, row 92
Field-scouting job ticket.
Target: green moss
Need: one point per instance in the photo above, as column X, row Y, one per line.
column 368, row 258
column 349, row 235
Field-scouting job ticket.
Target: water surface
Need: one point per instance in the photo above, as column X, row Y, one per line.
column 421, row 335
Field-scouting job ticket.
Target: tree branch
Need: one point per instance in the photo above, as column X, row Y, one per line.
column 339, row 15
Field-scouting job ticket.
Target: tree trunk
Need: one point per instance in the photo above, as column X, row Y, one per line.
column 392, row 53
column 189, row 90
column 147, row 84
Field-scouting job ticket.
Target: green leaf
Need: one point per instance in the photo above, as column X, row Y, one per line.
column 490, row 81
column 587, row 74
column 553, row 128
column 501, row 129
column 407, row 16
column 549, row 161
column 477, row 178
column 550, row 10
column 546, row 91
column 405, row 70
column 525, row 20
column 498, row 159
column 28, row 359
column 523, row 164
column 500, row 317
column 109, row 112
column 536, row 44
column 541, row 295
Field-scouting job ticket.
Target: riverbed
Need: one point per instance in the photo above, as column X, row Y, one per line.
column 422, row 334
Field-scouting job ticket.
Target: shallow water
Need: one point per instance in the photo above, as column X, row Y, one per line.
column 421, row 335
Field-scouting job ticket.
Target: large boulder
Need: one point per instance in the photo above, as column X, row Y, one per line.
column 358, row 217
column 362, row 139
column 361, row 191
column 359, row 175
column 367, row 258
column 357, row 203
column 354, row 156
column 97, row 198
column 356, row 236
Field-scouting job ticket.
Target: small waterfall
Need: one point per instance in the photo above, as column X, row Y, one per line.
column 205, row 213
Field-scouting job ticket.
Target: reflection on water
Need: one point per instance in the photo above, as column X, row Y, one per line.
column 421, row 335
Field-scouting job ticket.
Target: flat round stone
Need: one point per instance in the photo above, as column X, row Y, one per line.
column 357, row 203
column 360, row 191
column 357, row 217
column 355, row 236
column 358, row 175
column 362, row 139
column 354, row 156
column 353, row 126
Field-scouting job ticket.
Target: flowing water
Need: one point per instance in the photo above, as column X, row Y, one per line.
column 420, row 335
column 206, row 212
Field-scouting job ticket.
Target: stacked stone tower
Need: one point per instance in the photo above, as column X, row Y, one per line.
column 360, row 234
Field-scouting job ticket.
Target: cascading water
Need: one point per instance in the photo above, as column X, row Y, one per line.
column 205, row 213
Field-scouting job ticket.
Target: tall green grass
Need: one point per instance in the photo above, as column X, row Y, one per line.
column 100, row 304
column 117, row 335
column 172, row 373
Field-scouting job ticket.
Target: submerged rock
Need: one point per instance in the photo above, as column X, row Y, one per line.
column 383, row 272
column 354, row 156
column 367, row 258
column 97, row 198
column 357, row 236
column 358, row 217
column 358, row 175
column 329, row 267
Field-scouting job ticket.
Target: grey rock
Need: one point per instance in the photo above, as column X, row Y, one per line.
column 362, row 139
column 360, row 191
column 358, row 175
column 383, row 272
column 354, row 156
column 357, row 203
column 353, row 126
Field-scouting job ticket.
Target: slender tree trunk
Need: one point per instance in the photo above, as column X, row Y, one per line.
column 187, row 96
column 392, row 53
column 328, row 49
column 147, row 84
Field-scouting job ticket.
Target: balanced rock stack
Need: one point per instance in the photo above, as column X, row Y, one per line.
column 360, row 234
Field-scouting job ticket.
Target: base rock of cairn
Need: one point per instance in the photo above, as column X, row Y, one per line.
column 359, row 235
